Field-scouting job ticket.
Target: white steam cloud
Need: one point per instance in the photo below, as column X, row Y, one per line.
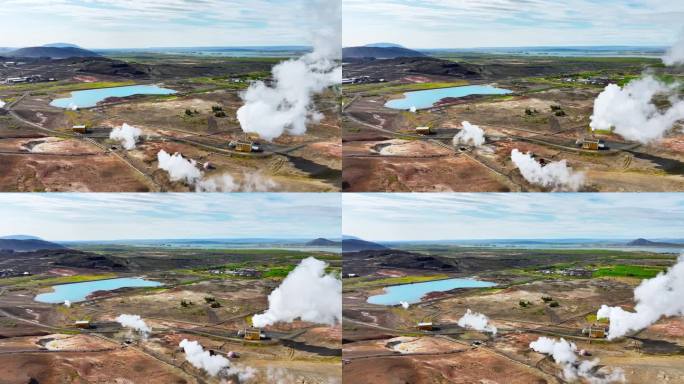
column 413, row 109
column 307, row 293
column 470, row 135
column 186, row 170
column 630, row 110
column 251, row 182
column 135, row 322
column 675, row 55
column 127, row 134
column 214, row 365
column 564, row 354
column 476, row 321
column 67, row 303
column 555, row 175
column 2, row 104
column 655, row 298
column 631, row 113
column 202, row 359
column 179, row 168
column 404, row 304
column 286, row 105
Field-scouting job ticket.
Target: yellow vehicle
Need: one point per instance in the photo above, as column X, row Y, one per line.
column 424, row 130
column 245, row 146
column 252, row 333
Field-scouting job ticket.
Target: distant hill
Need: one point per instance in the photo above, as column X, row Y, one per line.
column 51, row 52
column 20, row 237
column 61, row 45
column 356, row 245
column 384, row 45
column 378, row 52
column 28, row 245
column 647, row 243
column 323, row 242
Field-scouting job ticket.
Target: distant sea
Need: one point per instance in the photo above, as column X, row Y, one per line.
column 610, row 244
column 274, row 51
column 286, row 244
column 570, row 51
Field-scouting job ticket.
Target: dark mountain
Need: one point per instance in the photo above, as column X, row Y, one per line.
column 647, row 243
column 378, row 52
column 355, row 245
column 384, row 45
column 323, row 242
column 52, row 52
column 363, row 262
column 397, row 68
column 21, row 237
column 27, row 245
column 61, row 45
column 78, row 259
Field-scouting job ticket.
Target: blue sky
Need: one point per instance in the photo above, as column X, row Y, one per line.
column 112, row 216
column 157, row 23
column 428, row 216
column 510, row 23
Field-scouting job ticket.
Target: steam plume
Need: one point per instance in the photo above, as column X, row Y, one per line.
column 470, row 134
column 67, row 303
column 555, row 175
column 182, row 169
column 655, row 298
column 630, row 110
column 126, row 134
column 675, row 55
column 214, row 365
column 135, row 322
column 286, row 105
column 404, row 304
column 564, row 354
column 413, row 109
column 307, row 293
column 476, row 321
column 179, row 168
column 202, row 359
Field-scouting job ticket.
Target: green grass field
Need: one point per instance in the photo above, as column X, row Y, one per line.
column 63, row 86
column 638, row 271
column 375, row 89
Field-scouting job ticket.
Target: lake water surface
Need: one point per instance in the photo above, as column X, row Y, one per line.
column 428, row 98
column 79, row 291
column 412, row 293
column 90, row 98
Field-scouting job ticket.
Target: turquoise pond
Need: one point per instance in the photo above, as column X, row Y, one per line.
column 428, row 98
column 79, row 291
column 90, row 97
column 412, row 293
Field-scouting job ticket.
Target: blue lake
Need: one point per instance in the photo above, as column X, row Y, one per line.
column 412, row 293
column 79, row 291
column 427, row 98
column 90, row 97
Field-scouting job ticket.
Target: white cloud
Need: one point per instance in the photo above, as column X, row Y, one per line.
column 102, row 216
column 498, row 23
column 154, row 23
column 395, row 216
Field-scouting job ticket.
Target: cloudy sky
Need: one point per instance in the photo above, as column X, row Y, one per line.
column 105, row 216
column 512, row 23
column 157, row 23
column 427, row 216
